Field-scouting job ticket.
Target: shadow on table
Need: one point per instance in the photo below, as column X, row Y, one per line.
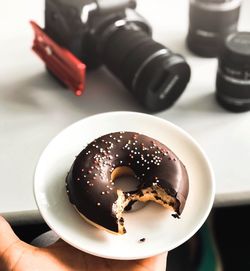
column 103, row 93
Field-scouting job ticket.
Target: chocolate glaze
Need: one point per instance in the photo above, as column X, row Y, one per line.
column 91, row 189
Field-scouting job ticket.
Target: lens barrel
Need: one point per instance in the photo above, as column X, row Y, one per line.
column 155, row 75
column 210, row 22
column 233, row 76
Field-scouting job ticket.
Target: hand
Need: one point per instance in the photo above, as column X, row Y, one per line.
column 16, row 255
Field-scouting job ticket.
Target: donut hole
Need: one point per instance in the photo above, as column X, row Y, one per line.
column 125, row 180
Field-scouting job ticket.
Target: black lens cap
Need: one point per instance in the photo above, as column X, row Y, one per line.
column 162, row 81
column 233, row 77
column 237, row 48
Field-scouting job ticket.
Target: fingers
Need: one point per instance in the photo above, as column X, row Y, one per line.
column 8, row 240
column 7, row 236
column 157, row 262
column 161, row 262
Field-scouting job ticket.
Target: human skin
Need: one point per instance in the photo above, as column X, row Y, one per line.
column 16, row 255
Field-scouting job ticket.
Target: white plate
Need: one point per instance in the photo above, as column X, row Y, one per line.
column 161, row 231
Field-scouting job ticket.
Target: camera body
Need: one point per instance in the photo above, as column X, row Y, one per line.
column 78, row 24
column 111, row 32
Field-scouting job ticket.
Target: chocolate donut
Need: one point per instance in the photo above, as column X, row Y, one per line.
column 90, row 182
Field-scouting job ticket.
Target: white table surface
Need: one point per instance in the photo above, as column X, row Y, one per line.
column 34, row 108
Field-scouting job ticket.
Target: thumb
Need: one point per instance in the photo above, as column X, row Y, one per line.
column 7, row 236
column 11, row 247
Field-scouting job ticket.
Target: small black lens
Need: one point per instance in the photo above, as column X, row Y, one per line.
column 154, row 74
column 210, row 22
column 233, row 77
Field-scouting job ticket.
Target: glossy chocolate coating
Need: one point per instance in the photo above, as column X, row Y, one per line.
column 91, row 189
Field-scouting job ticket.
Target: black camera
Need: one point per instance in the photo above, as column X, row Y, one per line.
column 112, row 33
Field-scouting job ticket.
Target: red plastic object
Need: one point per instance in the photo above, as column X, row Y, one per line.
column 60, row 61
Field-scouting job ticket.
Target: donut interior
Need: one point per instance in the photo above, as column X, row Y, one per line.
column 126, row 199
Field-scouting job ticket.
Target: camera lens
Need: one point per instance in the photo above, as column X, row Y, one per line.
column 233, row 76
column 210, row 22
column 155, row 75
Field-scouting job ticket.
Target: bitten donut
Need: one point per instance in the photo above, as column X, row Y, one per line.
column 90, row 182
